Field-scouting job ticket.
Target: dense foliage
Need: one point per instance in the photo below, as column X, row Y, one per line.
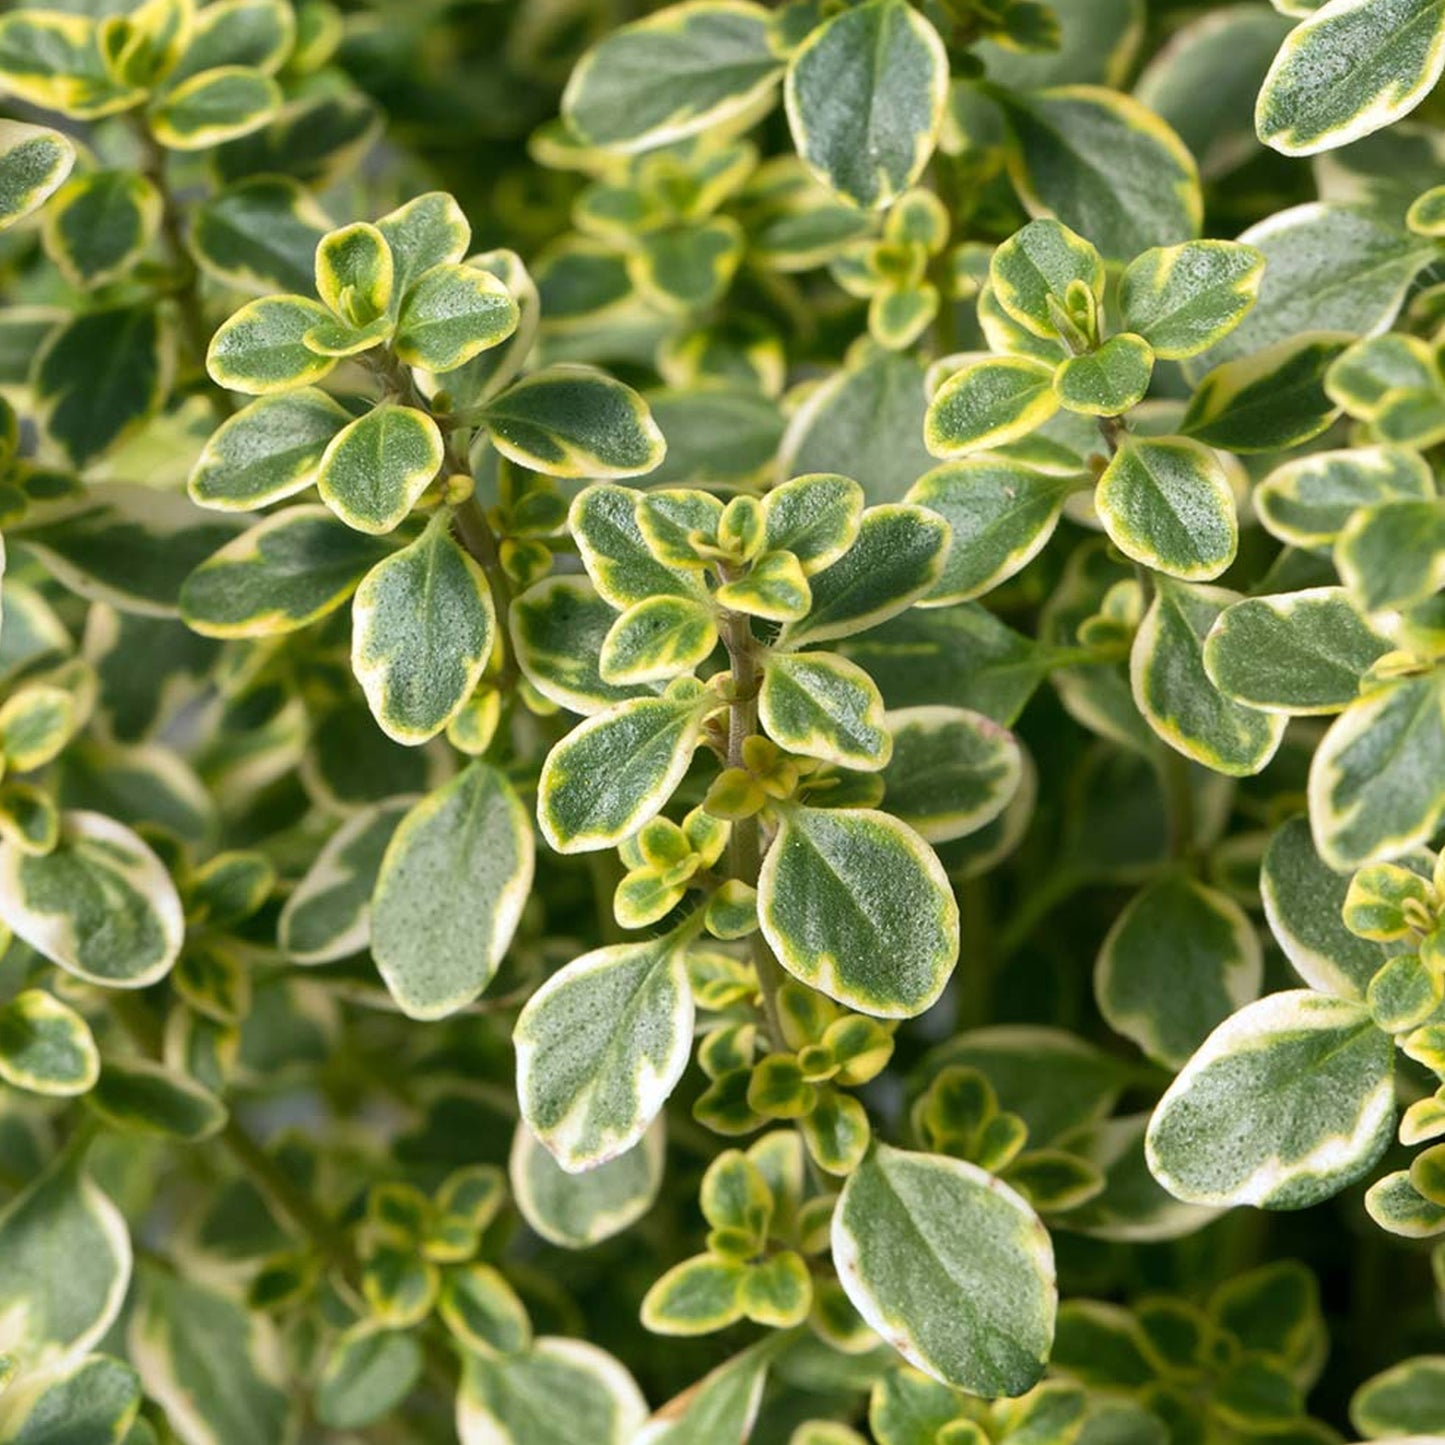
column 708, row 737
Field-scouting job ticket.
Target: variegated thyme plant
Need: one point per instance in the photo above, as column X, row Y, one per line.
column 722, row 723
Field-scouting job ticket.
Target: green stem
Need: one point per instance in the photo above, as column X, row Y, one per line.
column 187, row 292
column 745, row 845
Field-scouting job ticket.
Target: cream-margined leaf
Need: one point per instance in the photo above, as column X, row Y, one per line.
column 600, row 1046
column 1030, row 274
column 1374, row 783
column 1174, row 691
column 823, row 706
column 1183, row 299
column 1308, row 501
column 988, row 403
column 1168, row 505
column 1178, row 961
column 577, row 1211
column 865, row 97
column 100, row 904
column 437, row 950
column 951, row 1266
column 896, row 559
column 1328, row 1071
column 34, row 162
column 614, row 771
column 951, row 771
column 1104, row 165
column 672, row 74
column 1295, row 653
column 1350, row 69
column 1108, row 381
column 45, row 1046
column 373, row 471
column 423, row 625
column 572, row 421
column 856, row 904
column 546, row 1395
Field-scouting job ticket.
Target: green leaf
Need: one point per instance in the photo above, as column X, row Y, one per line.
column 865, row 97
column 328, row 914
column 98, row 226
column 572, row 421
column 1184, row 299
column 1331, row 268
column 100, row 904
column 1030, row 275
column 601, row 1045
column 1405, row 1400
column 952, row 771
column 558, row 627
column 558, row 1392
column 617, row 769
column 284, row 573
column 1109, row 381
column 45, row 1046
column 62, row 1215
column 577, row 1211
column 95, row 1398
column 1000, row 514
column 1350, row 69
column 989, row 402
column 897, row 558
column 1105, row 165
column 372, row 473
column 1168, row 504
column 1269, row 401
column 429, row 230
column 368, row 1373
column 950, row 1266
column 686, row 69
column 452, row 314
column 1373, row 788
column 855, row 904
column 423, row 626
column 1284, row 1105
column 139, row 1096
column 259, row 235
column 214, row 106
column 267, row 451
column 823, row 706
column 656, row 640
column 1175, row 694
column 1294, row 653
column 261, row 348
column 1393, row 555
column 34, row 161
column 178, row 1332
column 100, row 375
column 1303, row 900
column 1178, row 961
column 1308, row 501
column 453, row 881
